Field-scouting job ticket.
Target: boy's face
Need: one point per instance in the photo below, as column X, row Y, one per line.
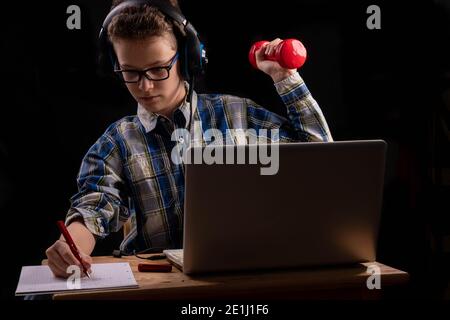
column 161, row 97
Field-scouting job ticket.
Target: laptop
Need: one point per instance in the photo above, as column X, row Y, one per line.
column 322, row 207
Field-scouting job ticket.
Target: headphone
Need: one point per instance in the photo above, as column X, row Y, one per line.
column 193, row 58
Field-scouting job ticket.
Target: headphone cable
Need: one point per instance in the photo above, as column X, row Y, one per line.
column 190, row 94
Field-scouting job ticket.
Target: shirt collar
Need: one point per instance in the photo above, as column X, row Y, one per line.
column 149, row 119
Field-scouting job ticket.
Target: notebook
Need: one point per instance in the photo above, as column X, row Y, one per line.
column 40, row 280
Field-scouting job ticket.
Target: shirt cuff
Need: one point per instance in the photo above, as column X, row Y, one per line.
column 93, row 223
column 287, row 84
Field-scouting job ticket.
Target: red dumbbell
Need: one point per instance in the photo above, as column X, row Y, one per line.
column 290, row 54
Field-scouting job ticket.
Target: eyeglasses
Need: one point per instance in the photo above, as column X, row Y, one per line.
column 155, row 73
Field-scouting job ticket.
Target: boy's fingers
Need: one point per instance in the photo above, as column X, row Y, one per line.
column 57, row 270
column 60, row 257
column 54, row 257
column 260, row 54
column 87, row 261
column 86, row 258
column 87, row 266
column 66, row 255
column 271, row 46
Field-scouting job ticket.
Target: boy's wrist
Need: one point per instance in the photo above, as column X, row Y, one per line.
column 281, row 75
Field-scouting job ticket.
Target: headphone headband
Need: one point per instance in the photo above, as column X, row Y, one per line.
column 166, row 9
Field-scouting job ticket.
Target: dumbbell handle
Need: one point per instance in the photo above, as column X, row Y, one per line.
column 290, row 53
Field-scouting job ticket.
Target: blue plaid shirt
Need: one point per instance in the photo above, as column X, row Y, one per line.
column 128, row 173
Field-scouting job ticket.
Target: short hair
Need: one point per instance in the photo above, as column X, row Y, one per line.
column 143, row 21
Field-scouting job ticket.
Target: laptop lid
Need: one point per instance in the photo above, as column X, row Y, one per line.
column 321, row 207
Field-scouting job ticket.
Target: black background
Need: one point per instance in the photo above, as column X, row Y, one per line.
column 387, row 84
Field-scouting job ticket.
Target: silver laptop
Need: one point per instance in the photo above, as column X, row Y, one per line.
column 322, row 207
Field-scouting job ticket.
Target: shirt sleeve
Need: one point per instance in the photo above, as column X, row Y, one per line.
column 304, row 113
column 101, row 190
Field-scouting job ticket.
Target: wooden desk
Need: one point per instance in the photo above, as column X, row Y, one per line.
column 302, row 283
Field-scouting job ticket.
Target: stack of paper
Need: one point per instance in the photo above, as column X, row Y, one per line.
column 175, row 256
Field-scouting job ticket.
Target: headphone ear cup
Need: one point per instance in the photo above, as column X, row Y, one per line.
column 196, row 55
column 203, row 59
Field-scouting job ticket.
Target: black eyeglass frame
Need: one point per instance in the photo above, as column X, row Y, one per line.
column 141, row 73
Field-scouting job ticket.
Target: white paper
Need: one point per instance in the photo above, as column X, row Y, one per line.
column 40, row 279
column 175, row 256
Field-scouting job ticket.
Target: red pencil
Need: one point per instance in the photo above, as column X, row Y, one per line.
column 72, row 246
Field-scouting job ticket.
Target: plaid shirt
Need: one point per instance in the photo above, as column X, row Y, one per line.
column 128, row 172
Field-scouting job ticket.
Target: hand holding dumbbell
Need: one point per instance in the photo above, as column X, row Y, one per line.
column 289, row 53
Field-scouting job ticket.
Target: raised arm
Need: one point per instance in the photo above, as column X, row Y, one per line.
column 305, row 116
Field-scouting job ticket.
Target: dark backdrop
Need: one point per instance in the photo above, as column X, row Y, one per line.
column 389, row 84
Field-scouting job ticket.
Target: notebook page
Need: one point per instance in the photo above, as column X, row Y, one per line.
column 40, row 279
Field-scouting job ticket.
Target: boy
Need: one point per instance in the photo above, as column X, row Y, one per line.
column 128, row 172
